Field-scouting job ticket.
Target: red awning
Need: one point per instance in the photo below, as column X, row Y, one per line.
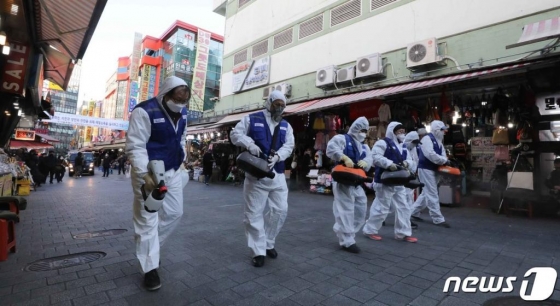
column 29, row 145
column 538, row 31
column 316, row 105
column 290, row 108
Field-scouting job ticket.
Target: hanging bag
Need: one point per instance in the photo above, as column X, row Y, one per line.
column 500, row 137
column 501, row 153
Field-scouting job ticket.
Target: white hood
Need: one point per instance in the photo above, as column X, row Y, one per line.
column 168, row 85
column 358, row 125
column 274, row 95
column 436, row 129
column 390, row 133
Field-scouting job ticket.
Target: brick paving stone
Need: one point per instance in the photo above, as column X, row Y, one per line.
column 359, row 294
column 90, row 300
column 340, row 300
column 277, row 293
column 307, row 298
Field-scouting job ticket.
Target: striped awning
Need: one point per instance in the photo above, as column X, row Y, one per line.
column 316, row 105
column 538, row 31
column 29, row 145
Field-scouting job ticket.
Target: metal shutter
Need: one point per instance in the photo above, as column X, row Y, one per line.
column 375, row 4
column 240, row 57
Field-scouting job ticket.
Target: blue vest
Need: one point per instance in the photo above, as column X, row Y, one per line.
column 425, row 163
column 164, row 143
column 351, row 151
column 391, row 155
column 259, row 131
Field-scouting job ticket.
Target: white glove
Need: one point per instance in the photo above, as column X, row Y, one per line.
column 362, row 164
column 149, row 183
column 392, row 167
column 405, row 164
column 254, row 149
column 347, row 161
column 273, row 160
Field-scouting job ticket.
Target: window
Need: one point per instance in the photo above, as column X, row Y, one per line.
column 311, row 26
column 345, row 12
column 260, row 49
column 243, row 2
column 375, row 4
column 240, row 57
column 283, row 38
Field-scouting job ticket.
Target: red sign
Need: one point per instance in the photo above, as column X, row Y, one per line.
column 13, row 77
column 369, row 109
column 25, row 135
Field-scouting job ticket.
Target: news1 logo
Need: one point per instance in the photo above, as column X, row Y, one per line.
column 543, row 285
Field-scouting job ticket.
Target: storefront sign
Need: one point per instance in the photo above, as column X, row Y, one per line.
column 24, row 135
column 256, row 75
column 549, row 104
column 152, row 83
column 71, row 119
column 146, row 70
column 199, row 73
column 133, row 100
column 13, row 75
column 135, row 59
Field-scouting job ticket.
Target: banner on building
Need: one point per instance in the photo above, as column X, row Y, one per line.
column 136, row 53
column 199, row 72
column 247, row 76
column 71, row 119
column 133, row 100
column 24, row 135
column 152, row 83
column 144, row 86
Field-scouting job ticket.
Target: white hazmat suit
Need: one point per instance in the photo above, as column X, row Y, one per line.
column 385, row 196
column 146, row 224
column 350, row 203
column 411, row 141
column 261, row 231
column 430, row 196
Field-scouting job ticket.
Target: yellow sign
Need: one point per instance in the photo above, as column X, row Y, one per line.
column 53, row 86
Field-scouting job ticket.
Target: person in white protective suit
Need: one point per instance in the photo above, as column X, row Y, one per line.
column 387, row 153
column 431, row 156
column 157, row 131
column 350, row 202
column 255, row 132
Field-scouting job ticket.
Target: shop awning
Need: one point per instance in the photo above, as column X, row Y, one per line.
column 290, row 108
column 538, row 31
column 29, row 145
column 47, row 137
column 313, row 106
column 203, row 128
column 58, row 66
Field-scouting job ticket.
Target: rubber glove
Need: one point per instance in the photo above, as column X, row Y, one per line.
column 273, row 160
column 254, row 149
column 392, row 167
column 362, row 164
column 149, row 183
column 347, row 161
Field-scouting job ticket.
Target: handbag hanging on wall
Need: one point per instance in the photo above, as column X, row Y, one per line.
column 500, row 137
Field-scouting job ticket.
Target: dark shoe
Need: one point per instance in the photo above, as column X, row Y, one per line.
column 416, row 219
column 413, row 225
column 352, row 249
column 444, row 224
column 51, row 182
column 151, row 280
column 271, row 253
column 258, row 261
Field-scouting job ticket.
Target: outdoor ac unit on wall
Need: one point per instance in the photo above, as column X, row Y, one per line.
column 369, row 65
column 266, row 92
column 422, row 53
column 284, row 88
column 325, row 76
column 345, row 74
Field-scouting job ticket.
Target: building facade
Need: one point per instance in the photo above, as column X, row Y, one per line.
column 302, row 44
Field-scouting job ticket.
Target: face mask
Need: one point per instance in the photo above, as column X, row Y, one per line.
column 361, row 137
column 174, row 107
column 410, row 146
column 276, row 113
column 400, row 137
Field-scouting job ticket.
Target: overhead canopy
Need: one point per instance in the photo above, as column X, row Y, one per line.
column 68, row 26
column 538, row 31
column 29, row 145
column 58, row 66
column 313, row 106
column 203, row 128
column 290, row 108
column 47, row 137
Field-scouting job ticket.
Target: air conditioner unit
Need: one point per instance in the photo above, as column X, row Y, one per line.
column 345, row 74
column 284, row 88
column 422, row 53
column 325, row 76
column 369, row 65
column 266, row 92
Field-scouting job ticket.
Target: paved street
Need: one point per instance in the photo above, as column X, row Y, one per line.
column 206, row 261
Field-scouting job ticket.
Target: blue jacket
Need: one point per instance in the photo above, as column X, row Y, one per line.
column 391, row 155
column 425, row 163
column 352, row 152
column 164, row 143
column 259, row 131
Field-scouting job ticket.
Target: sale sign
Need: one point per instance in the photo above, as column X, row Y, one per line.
column 13, row 77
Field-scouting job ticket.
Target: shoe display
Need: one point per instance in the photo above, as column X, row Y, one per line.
column 151, row 280
column 271, row 253
column 258, row 261
column 352, row 249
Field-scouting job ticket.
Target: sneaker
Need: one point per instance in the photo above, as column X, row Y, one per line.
column 407, row 239
column 271, row 253
column 443, row 224
column 151, row 280
column 258, row 261
column 352, row 249
column 416, row 219
column 413, row 225
column 374, row 237
column 383, row 223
